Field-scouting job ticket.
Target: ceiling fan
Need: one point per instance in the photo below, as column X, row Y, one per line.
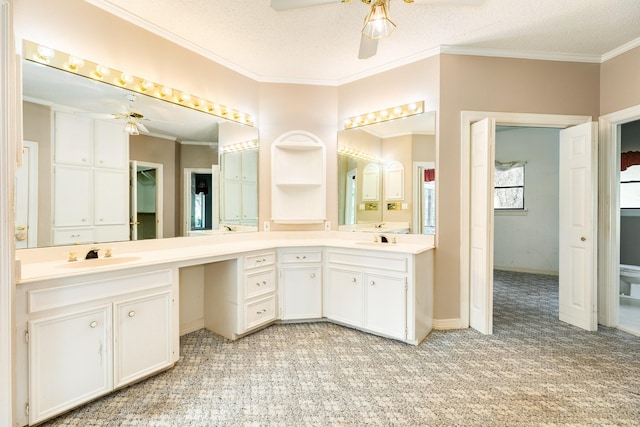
column 133, row 118
column 377, row 23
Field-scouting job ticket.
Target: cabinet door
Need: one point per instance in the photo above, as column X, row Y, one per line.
column 344, row 296
column 142, row 337
column 111, row 197
column 73, row 139
column 231, row 202
column 111, row 146
column 386, row 302
column 69, row 361
column 250, row 165
column 232, row 166
column 72, row 195
column 249, row 203
column 301, row 292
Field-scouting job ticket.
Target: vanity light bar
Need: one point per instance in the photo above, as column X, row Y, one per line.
column 74, row 64
column 385, row 115
column 241, row 146
column 347, row 151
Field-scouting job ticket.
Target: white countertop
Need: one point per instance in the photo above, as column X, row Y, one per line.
column 51, row 263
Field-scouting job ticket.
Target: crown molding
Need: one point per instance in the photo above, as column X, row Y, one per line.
column 500, row 53
column 621, row 49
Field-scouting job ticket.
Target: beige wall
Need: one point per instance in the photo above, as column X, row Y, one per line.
column 157, row 150
column 620, row 82
column 287, row 107
column 500, row 85
column 37, row 128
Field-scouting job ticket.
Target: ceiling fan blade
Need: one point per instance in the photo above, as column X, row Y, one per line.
column 97, row 116
column 368, row 47
column 280, row 5
column 452, row 2
column 142, row 127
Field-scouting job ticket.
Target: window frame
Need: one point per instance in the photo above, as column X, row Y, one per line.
column 524, row 181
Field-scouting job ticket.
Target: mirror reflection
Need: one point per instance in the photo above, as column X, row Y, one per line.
column 88, row 176
column 386, row 176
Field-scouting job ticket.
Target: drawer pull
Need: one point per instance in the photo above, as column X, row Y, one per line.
column 258, row 284
column 313, row 275
column 353, row 280
column 132, row 313
column 93, row 324
column 301, row 257
column 264, row 310
column 372, row 283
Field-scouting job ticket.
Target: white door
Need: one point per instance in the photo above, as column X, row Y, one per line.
column 133, row 197
column 578, row 222
column 481, row 214
column 26, row 198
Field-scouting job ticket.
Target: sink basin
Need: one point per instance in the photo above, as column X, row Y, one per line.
column 99, row 262
column 374, row 243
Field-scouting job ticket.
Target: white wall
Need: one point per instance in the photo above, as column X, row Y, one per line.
column 530, row 242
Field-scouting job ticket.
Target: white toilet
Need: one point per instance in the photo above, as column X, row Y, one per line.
column 630, row 280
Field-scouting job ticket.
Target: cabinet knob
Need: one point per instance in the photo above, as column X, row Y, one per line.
column 353, row 280
column 84, row 219
column 372, row 283
column 313, row 275
column 93, row 324
column 132, row 313
column 582, row 239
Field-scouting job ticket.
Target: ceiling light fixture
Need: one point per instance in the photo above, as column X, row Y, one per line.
column 351, row 152
column 131, row 128
column 70, row 63
column 377, row 24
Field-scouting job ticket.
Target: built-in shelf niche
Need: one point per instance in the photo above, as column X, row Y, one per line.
column 298, row 194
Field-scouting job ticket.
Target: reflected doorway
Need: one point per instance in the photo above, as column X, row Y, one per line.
column 146, row 200
column 424, row 184
column 200, row 200
column 26, row 198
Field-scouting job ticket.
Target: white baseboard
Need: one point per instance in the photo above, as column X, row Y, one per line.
column 526, row 270
column 446, row 324
column 192, row 326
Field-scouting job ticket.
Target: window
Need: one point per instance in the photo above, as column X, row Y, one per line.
column 630, row 188
column 508, row 184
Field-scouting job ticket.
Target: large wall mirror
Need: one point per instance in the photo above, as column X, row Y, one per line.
column 165, row 181
column 386, row 176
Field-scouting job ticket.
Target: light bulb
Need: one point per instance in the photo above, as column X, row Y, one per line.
column 44, row 53
column 125, row 79
column 75, row 63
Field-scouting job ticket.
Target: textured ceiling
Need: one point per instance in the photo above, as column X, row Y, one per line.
column 320, row 44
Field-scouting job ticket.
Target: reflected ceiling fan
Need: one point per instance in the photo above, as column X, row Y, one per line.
column 133, row 118
column 377, row 24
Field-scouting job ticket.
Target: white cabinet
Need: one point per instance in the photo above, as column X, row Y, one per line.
column 69, row 360
column 83, row 338
column 143, row 337
column 240, row 295
column 344, row 297
column 298, row 194
column 239, row 187
column 367, row 289
column 300, row 284
column 386, row 304
column 394, row 181
column 90, row 180
column 371, row 182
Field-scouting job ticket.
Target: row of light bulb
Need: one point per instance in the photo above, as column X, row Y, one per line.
column 348, row 151
column 75, row 64
column 400, row 111
column 240, row 146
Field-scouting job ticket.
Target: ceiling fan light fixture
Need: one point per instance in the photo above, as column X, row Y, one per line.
column 377, row 24
column 131, row 128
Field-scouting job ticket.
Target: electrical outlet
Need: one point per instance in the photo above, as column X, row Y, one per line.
column 267, row 226
column 327, row 226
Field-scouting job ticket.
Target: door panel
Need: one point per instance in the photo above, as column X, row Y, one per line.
column 578, row 201
column 481, row 239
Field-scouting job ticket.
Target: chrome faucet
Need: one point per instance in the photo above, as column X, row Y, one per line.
column 92, row 254
column 383, row 239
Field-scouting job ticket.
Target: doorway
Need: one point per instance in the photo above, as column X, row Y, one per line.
column 477, row 230
column 200, row 200
column 146, row 204
column 612, row 220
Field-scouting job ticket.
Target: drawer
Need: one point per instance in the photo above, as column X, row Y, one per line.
column 369, row 260
column 260, row 312
column 260, row 260
column 293, row 257
column 71, row 236
column 260, row 282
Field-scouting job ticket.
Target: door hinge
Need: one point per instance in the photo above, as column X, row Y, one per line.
column 26, row 337
column 26, row 409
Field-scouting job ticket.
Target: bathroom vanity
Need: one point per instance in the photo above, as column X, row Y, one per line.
column 88, row 327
